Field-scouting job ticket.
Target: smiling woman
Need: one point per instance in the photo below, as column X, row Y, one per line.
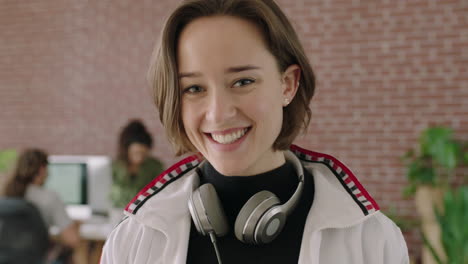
column 232, row 83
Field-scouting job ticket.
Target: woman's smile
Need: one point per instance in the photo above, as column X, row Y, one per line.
column 228, row 140
column 228, row 136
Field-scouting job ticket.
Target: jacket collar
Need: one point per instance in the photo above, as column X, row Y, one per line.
column 340, row 200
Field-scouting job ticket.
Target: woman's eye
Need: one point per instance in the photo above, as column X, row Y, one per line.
column 243, row 82
column 193, row 89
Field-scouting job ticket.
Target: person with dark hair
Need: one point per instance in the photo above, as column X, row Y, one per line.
column 27, row 182
column 134, row 167
column 233, row 85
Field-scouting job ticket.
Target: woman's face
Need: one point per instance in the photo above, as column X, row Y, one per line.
column 41, row 176
column 137, row 153
column 232, row 94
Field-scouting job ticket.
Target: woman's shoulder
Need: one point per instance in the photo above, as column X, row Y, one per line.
column 379, row 223
column 381, row 233
column 132, row 241
column 39, row 193
column 377, row 236
column 47, row 201
column 384, row 226
column 153, row 162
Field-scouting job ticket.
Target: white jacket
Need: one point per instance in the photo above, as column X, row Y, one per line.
column 344, row 224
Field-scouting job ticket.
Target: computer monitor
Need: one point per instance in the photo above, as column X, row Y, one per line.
column 70, row 181
column 81, row 180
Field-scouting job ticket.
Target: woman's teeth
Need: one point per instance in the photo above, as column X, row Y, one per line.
column 229, row 138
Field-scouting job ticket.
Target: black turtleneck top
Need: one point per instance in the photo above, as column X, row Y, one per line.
column 234, row 191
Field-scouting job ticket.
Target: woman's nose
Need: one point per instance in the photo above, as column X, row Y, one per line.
column 221, row 107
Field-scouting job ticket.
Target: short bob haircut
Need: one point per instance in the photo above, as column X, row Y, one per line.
column 281, row 41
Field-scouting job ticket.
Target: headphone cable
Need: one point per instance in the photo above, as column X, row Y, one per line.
column 213, row 240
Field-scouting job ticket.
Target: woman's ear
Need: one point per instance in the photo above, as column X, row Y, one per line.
column 290, row 79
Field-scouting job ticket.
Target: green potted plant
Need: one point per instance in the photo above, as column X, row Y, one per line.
column 430, row 171
column 7, row 160
column 453, row 224
column 435, row 161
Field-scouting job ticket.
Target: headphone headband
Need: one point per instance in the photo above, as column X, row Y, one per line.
column 289, row 206
column 260, row 220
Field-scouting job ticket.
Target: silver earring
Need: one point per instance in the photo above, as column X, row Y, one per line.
column 286, row 101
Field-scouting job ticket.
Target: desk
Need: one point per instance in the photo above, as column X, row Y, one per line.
column 94, row 230
column 93, row 227
column 93, row 233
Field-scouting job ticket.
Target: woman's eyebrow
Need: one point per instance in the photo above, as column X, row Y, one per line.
column 241, row 68
column 189, row 74
column 233, row 69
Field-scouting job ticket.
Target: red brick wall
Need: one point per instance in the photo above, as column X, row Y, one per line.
column 73, row 72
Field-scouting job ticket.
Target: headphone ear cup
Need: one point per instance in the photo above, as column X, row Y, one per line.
column 196, row 209
column 207, row 212
column 251, row 213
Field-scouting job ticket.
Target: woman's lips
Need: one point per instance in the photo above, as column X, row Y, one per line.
column 228, row 140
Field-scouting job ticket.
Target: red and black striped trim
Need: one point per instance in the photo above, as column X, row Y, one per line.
column 343, row 174
column 163, row 180
column 349, row 182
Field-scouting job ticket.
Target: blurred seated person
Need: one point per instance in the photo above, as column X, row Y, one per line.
column 134, row 166
column 24, row 237
column 27, row 182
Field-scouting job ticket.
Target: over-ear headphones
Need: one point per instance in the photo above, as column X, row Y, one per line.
column 260, row 220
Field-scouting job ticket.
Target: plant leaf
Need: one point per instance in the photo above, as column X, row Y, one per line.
column 7, row 159
column 409, row 190
column 433, row 140
column 452, row 222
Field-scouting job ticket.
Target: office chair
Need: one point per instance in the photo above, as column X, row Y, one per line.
column 24, row 236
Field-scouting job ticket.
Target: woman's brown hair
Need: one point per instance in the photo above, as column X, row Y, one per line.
column 281, row 40
column 134, row 132
column 27, row 168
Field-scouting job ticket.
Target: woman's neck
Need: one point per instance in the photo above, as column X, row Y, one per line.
column 266, row 162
